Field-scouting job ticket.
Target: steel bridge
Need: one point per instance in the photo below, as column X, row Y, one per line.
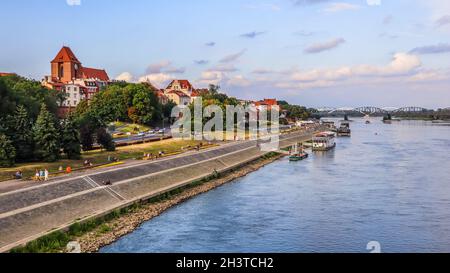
column 371, row 110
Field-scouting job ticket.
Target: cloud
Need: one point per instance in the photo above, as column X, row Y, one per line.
column 224, row 68
column 210, row 44
column 253, row 34
column 337, row 7
column 238, row 80
column 175, row 70
column 233, row 57
column 429, row 76
column 320, row 47
column 126, row 76
column 210, row 77
column 432, row 49
column 73, row 2
column 164, row 66
column 201, row 62
column 401, row 65
column 262, row 71
column 157, row 67
column 160, row 79
column 373, row 2
column 444, row 20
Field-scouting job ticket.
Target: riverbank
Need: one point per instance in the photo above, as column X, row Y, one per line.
column 102, row 231
column 111, row 231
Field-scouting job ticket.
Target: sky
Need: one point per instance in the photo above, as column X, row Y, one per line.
column 317, row 53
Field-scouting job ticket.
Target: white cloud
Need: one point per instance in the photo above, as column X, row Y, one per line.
column 239, row 80
column 159, row 79
column 320, row 47
column 430, row 76
column 126, row 76
column 211, row 77
column 401, row 65
column 158, row 67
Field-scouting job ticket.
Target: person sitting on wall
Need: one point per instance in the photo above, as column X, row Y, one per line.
column 18, row 175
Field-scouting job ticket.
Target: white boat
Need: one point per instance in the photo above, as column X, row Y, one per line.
column 323, row 141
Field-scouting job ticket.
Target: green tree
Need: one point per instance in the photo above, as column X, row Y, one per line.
column 16, row 90
column 88, row 125
column 70, row 139
column 21, row 134
column 105, row 140
column 46, row 136
column 7, row 152
column 146, row 104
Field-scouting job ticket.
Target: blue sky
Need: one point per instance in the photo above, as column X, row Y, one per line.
column 311, row 52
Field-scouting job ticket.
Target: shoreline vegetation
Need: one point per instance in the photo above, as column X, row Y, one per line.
column 103, row 231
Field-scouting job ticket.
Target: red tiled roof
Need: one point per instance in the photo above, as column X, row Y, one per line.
column 271, row 102
column 185, row 84
column 92, row 73
column 65, row 55
column 4, row 74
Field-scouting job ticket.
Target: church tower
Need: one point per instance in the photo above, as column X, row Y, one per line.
column 65, row 66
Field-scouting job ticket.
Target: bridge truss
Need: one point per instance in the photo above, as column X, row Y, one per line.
column 371, row 110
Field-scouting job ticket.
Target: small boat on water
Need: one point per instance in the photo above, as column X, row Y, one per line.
column 324, row 141
column 389, row 119
column 298, row 155
column 344, row 129
column 367, row 121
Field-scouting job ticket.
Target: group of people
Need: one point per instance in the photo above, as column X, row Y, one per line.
column 87, row 163
column 150, row 156
column 41, row 175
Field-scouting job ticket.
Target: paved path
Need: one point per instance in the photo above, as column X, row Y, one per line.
column 34, row 210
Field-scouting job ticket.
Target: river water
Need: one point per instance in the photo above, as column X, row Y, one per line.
column 387, row 183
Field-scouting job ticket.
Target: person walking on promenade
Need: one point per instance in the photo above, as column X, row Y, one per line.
column 41, row 175
column 46, row 175
column 36, row 176
column 68, row 170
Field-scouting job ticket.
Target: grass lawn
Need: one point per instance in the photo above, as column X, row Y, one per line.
column 98, row 157
column 124, row 128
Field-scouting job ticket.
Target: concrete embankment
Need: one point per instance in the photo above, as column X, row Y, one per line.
column 33, row 212
column 116, row 228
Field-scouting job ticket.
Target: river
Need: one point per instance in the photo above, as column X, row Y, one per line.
column 387, row 183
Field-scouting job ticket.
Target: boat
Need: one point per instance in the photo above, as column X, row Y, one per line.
column 307, row 144
column 367, row 121
column 297, row 155
column 344, row 129
column 323, row 141
column 388, row 119
column 330, row 125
